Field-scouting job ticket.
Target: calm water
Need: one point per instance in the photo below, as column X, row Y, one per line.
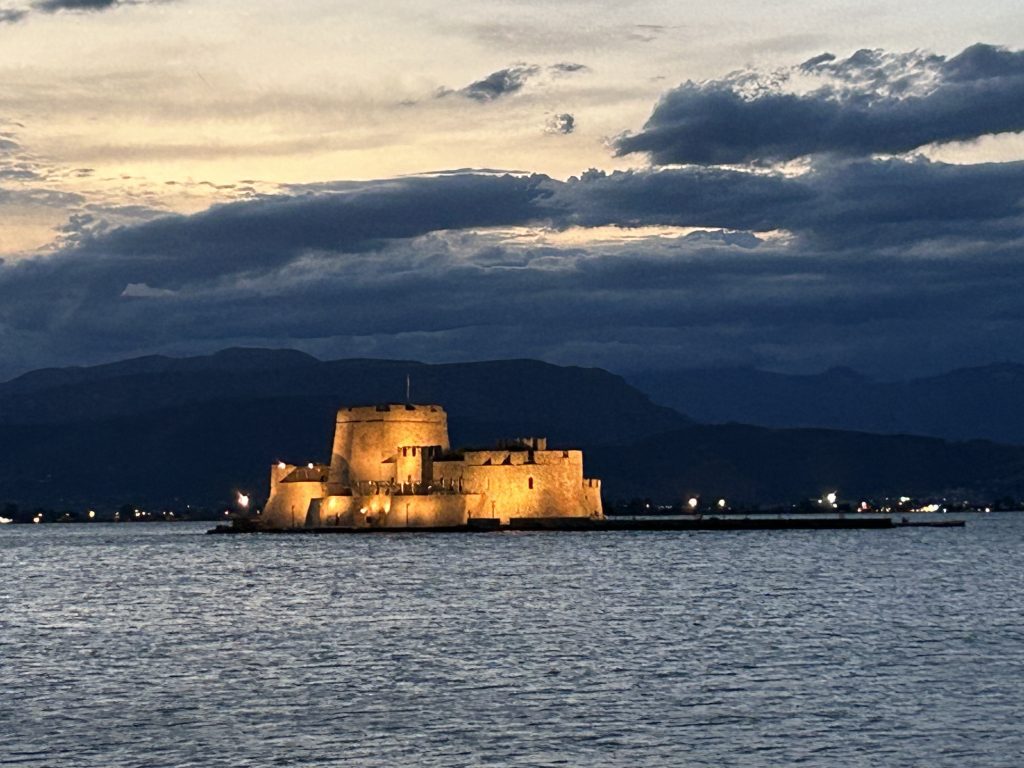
column 153, row 645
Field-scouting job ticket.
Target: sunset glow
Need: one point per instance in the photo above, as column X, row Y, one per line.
column 173, row 174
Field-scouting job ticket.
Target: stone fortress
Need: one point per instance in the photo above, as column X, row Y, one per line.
column 392, row 467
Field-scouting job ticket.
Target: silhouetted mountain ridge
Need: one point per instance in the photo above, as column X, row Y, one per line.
column 231, row 360
column 750, row 464
column 159, row 430
column 586, row 404
column 165, row 429
column 981, row 402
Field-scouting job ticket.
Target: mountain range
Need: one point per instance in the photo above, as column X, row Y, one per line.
column 175, row 431
column 968, row 403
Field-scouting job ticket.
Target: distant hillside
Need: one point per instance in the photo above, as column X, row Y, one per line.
column 505, row 397
column 159, row 429
column 747, row 464
column 965, row 404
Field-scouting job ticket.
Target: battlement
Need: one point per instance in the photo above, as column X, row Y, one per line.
column 392, row 412
column 524, row 443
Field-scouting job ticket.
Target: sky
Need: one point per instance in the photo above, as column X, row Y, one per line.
column 633, row 185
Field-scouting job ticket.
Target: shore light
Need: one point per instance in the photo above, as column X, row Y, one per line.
column 243, row 500
column 693, row 502
column 831, row 498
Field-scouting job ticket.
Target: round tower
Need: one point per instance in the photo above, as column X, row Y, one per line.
column 366, row 439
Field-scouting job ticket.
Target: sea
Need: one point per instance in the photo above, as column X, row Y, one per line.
column 156, row 645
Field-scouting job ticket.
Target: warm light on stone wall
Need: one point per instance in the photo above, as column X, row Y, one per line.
column 388, row 470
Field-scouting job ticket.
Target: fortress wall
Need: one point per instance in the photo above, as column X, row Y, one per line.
column 496, row 456
column 592, row 495
column 365, row 437
column 397, row 511
column 339, row 510
column 558, row 490
column 574, row 458
column 524, row 457
column 429, row 511
column 279, row 471
column 447, row 472
column 289, row 503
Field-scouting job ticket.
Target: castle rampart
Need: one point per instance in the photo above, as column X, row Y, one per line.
column 392, row 467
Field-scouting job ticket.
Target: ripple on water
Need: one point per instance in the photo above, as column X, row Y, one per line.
column 153, row 645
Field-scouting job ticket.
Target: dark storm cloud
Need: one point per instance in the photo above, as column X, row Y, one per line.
column 867, row 203
column 872, row 260
column 259, row 236
column 871, row 102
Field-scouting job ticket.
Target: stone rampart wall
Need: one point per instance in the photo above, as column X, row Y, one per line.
column 366, row 437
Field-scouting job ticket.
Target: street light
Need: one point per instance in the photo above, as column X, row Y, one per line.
column 242, row 501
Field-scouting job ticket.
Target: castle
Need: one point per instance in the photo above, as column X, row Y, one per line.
column 392, row 467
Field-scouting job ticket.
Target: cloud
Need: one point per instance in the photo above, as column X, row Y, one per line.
column 534, row 34
column 252, row 237
column 870, row 103
column 13, row 15
column 882, row 204
column 495, row 85
column 646, row 33
column 561, row 124
column 568, row 68
column 16, row 163
column 52, row 6
column 872, row 263
column 141, row 290
column 510, row 80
